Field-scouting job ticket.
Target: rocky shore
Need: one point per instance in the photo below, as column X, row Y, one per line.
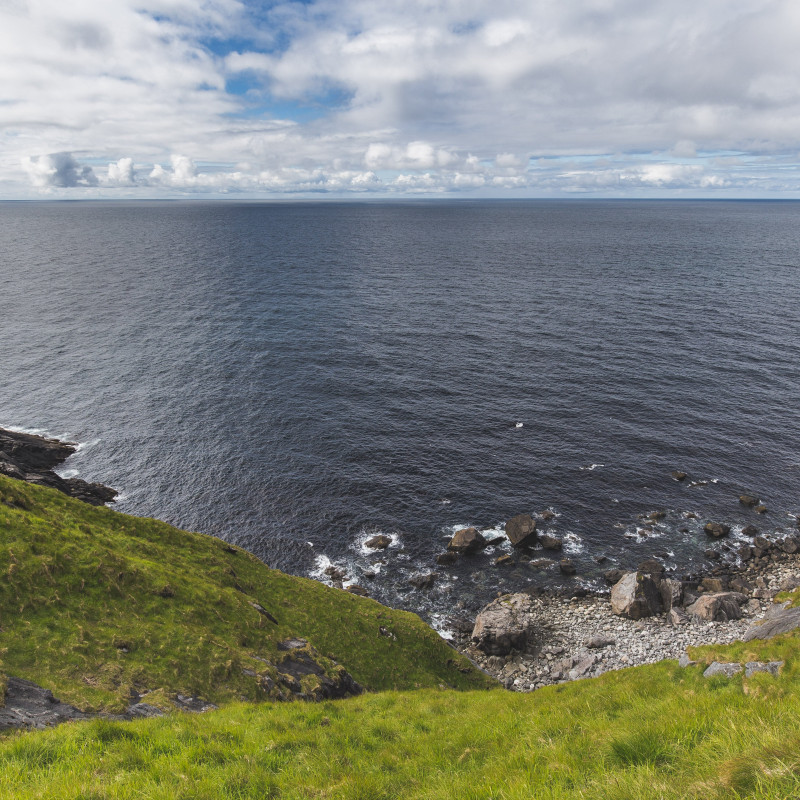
column 528, row 641
column 32, row 458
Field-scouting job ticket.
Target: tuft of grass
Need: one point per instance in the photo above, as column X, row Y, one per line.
column 96, row 605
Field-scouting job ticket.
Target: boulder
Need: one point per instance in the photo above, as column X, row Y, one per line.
column 713, row 585
column 677, row 616
column 762, row 509
column 718, row 607
column 613, row 576
column 750, row 530
column 652, row 566
column 504, row 561
column 717, row 529
column 745, row 552
column 423, row 581
column 748, row 500
column 354, row 588
column 740, row 585
column 567, row 567
column 505, row 624
column 678, row 475
column 550, row 542
column 791, row 545
column 780, row 621
column 467, row 540
column 521, row 530
column 725, row 670
column 379, row 542
column 671, row 593
column 547, row 515
column 635, row 596
column 770, row 667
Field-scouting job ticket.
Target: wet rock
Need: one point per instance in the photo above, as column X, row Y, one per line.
column 354, row 588
column 750, row 530
column 521, row 530
column 717, row 529
column 762, row 509
column 651, row 566
column 678, row 475
column 504, row 561
column 549, row 542
column 719, row 669
column 712, row 555
column 613, row 576
column 718, row 607
column 791, row 545
column 379, row 542
column 423, row 582
column 547, row 515
column 748, row 500
column 654, row 516
column 745, row 552
column 635, row 596
column 467, row 541
column 567, row 567
column 505, row 624
column 446, row 558
column 335, row 574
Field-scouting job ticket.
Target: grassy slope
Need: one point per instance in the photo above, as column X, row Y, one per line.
column 80, row 586
column 648, row 733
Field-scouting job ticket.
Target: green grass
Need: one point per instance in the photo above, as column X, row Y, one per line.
column 649, row 733
column 95, row 604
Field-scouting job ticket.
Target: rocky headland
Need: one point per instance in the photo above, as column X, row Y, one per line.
column 33, row 458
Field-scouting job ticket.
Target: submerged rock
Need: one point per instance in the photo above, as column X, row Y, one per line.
column 379, row 542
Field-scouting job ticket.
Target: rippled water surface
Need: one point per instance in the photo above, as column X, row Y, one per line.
column 295, row 377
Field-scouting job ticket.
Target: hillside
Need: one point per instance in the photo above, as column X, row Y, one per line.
column 105, row 609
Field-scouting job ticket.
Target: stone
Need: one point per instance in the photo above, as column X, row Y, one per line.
column 597, row 642
column 750, row 530
column 613, row 576
column 567, row 567
column 550, row 542
column 671, row 593
column 717, row 668
column 684, row 661
column 635, row 596
column 718, row 607
column 656, row 515
column 762, row 544
column 651, row 566
column 582, row 668
column 717, row 529
column 741, row 585
column 782, row 621
column 521, row 530
column 713, row 585
column 547, row 515
column 762, row 509
column 354, row 588
column 790, row 545
column 745, row 552
column 541, row 563
column 507, row 623
column 379, row 542
column 446, row 558
column 678, row 475
column 467, row 541
column 771, row 667
column 504, row 561
column 676, row 617
column 748, row 500
column 423, row 582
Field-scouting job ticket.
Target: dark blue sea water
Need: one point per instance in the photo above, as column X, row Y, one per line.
column 294, row 377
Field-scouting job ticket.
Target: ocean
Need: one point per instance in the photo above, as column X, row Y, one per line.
column 296, row 377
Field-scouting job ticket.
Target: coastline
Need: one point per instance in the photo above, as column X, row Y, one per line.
column 568, row 635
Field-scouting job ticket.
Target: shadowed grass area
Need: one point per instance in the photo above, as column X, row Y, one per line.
column 95, row 604
column 654, row 732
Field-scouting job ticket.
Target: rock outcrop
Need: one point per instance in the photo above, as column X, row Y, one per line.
column 32, row 458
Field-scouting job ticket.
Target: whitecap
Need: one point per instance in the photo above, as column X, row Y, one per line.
column 518, row 425
column 592, row 467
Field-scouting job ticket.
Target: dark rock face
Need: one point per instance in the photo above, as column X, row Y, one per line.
column 467, row 540
column 521, row 530
column 33, row 458
column 717, row 529
column 635, row 596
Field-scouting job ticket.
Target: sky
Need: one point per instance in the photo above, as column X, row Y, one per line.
column 388, row 98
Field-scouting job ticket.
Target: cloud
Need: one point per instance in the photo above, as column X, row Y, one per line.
column 58, row 170
column 536, row 97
